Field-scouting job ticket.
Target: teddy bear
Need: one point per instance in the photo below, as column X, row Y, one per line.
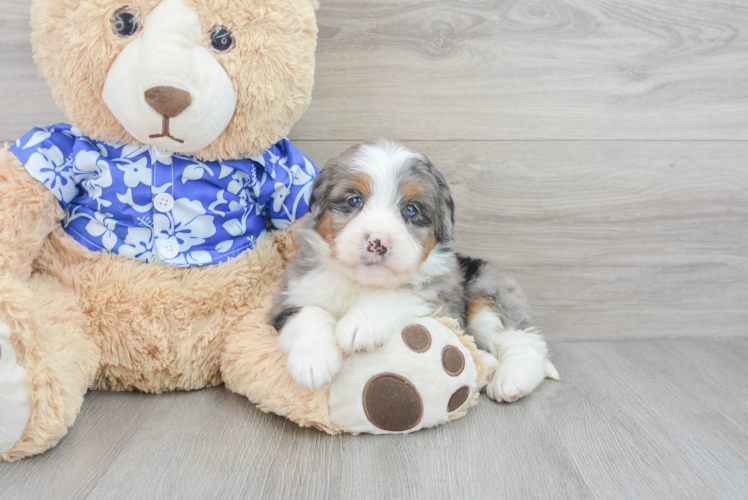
column 141, row 243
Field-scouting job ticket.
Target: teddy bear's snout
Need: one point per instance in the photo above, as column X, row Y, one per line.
column 168, row 101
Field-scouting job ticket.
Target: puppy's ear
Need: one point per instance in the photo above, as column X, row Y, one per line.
column 321, row 191
column 331, row 174
column 445, row 208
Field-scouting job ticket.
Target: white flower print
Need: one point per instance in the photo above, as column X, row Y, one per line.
column 41, row 135
column 92, row 172
column 239, row 186
column 239, row 182
column 224, row 246
column 136, row 172
column 237, row 227
column 127, row 198
column 187, row 223
column 50, row 167
column 197, row 258
column 73, row 132
column 279, row 196
column 195, row 171
column 102, row 225
column 138, row 244
column 225, row 170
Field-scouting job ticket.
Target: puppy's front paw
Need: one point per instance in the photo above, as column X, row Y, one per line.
column 358, row 331
column 313, row 355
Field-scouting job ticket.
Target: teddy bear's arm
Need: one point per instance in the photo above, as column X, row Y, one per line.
column 29, row 212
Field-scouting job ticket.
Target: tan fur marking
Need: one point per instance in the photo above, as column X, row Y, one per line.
column 362, row 182
column 326, row 229
column 428, row 245
column 411, row 189
column 476, row 305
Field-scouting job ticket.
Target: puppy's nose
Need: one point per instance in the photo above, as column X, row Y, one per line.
column 378, row 243
column 168, row 101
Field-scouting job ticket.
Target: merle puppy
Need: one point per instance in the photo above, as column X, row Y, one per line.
column 375, row 255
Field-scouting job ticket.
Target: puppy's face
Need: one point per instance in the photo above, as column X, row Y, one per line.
column 381, row 208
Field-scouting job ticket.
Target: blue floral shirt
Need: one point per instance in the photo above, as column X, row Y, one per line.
column 142, row 203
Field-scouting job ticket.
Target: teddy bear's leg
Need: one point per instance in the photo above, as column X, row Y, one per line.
column 253, row 364
column 48, row 359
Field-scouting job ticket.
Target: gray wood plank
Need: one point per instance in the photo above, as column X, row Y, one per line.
column 631, row 419
column 609, row 239
column 490, row 70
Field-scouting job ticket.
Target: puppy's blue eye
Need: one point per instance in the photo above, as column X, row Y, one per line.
column 356, row 202
column 410, row 211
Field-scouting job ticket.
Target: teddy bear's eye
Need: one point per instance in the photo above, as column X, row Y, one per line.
column 220, row 39
column 125, row 22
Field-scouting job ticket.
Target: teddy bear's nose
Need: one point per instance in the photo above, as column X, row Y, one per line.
column 168, row 101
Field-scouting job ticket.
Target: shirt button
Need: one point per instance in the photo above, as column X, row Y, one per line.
column 168, row 249
column 163, row 202
column 162, row 152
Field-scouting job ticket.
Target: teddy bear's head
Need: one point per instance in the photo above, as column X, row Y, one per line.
column 218, row 79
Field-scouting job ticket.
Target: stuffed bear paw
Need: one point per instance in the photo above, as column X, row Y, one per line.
column 313, row 354
column 421, row 377
column 14, row 398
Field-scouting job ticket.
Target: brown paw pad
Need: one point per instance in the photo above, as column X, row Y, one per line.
column 452, row 360
column 392, row 403
column 458, row 398
column 417, row 338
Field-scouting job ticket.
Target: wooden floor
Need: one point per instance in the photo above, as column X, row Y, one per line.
column 631, row 419
column 599, row 152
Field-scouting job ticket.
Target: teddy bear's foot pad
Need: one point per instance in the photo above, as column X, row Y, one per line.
column 392, row 403
column 417, row 379
column 14, row 397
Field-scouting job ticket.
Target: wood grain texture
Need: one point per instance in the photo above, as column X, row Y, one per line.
column 609, row 239
column 598, row 151
column 652, row 419
column 490, row 70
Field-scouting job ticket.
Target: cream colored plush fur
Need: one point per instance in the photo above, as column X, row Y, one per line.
column 271, row 67
column 83, row 320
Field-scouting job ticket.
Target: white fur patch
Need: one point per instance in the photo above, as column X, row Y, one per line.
column 313, row 354
column 15, row 408
column 423, row 370
column 522, row 354
column 168, row 55
column 523, row 364
column 371, row 321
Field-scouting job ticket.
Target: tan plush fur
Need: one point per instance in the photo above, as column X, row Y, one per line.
column 81, row 319
column 271, row 67
column 97, row 320
column 84, row 320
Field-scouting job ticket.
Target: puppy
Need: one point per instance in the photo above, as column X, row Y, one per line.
column 375, row 255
